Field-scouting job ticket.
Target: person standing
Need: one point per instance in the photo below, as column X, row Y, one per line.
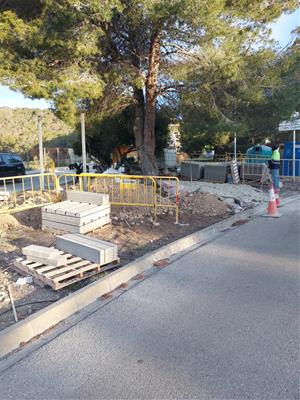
column 274, row 165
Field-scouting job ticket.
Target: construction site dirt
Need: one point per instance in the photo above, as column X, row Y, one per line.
column 131, row 228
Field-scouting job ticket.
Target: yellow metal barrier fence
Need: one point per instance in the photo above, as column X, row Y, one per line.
column 123, row 190
column 129, row 190
column 168, row 193
column 19, row 193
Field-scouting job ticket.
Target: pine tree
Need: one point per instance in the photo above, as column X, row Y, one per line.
column 249, row 97
column 111, row 53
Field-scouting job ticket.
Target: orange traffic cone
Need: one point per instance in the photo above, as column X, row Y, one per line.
column 277, row 198
column 272, row 207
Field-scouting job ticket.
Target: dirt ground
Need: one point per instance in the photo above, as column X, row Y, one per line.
column 132, row 229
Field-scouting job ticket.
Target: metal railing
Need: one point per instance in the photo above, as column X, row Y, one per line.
column 19, row 193
column 231, row 156
column 129, row 190
column 252, row 165
column 168, row 193
column 123, row 190
column 252, row 168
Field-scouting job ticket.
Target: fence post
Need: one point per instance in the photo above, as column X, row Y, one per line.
column 41, row 154
column 56, row 185
column 83, row 146
column 294, row 155
column 177, row 201
column 234, row 145
column 154, row 198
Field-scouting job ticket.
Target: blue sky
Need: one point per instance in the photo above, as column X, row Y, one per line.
column 281, row 31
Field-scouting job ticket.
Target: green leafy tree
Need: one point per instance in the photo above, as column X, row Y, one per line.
column 112, row 53
column 279, row 101
column 250, row 96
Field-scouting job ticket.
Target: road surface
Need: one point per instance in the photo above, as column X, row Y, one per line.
column 32, row 183
column 222, row 322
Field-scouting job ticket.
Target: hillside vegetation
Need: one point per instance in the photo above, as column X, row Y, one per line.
column 18, row 130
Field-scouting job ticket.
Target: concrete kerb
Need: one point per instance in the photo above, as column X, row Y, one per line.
column 11, row 338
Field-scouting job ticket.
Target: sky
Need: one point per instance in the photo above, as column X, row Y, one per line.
column 281, row 31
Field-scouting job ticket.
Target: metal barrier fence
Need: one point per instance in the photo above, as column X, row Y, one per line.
column 252, row 168
column 229, row 157
column 123, row 190
column 129, row 190
column 19, row 193
column 168, row 193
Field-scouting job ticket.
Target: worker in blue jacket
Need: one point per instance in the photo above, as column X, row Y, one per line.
column 274, row 166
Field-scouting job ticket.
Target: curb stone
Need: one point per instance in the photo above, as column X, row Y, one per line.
column 12, row 337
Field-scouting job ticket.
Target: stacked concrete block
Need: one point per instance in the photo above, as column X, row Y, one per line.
column 93, row 250
column 44, row 255
column 192, row 169
column 81, row 213
column 216, row 172
column 99, row 199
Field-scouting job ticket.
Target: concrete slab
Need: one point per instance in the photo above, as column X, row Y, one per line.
column 44, row 255
column 88, row 227
column 75, row 217
column 94, row 250
column 55, row 206
column 100, row 199
column 73, row 207
column 216, row 173
column 85, row 212
column 192, row 169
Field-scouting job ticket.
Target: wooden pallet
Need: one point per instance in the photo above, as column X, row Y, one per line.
column 75, row 270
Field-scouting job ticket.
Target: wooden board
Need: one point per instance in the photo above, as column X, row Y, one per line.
column 75, row 270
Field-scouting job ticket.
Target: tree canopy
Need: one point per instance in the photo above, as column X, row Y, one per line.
column 250, row 95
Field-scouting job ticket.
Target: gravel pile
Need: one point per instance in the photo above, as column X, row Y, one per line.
column 245, row 195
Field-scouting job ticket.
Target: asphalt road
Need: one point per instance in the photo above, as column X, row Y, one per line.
column 222, row 322
column 30, row 183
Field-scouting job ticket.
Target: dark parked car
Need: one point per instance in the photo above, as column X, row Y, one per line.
column 11, row 165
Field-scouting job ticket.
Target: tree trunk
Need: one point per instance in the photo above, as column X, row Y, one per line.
column 138, row 129
column 138, row 124
column 144, row 118
column 148, row 162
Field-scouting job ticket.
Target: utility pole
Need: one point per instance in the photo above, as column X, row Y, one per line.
column 234, row 146
column 41, row 154
column 294, row 155
column 57, row 156
column 234, row 140
column 83, row 146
